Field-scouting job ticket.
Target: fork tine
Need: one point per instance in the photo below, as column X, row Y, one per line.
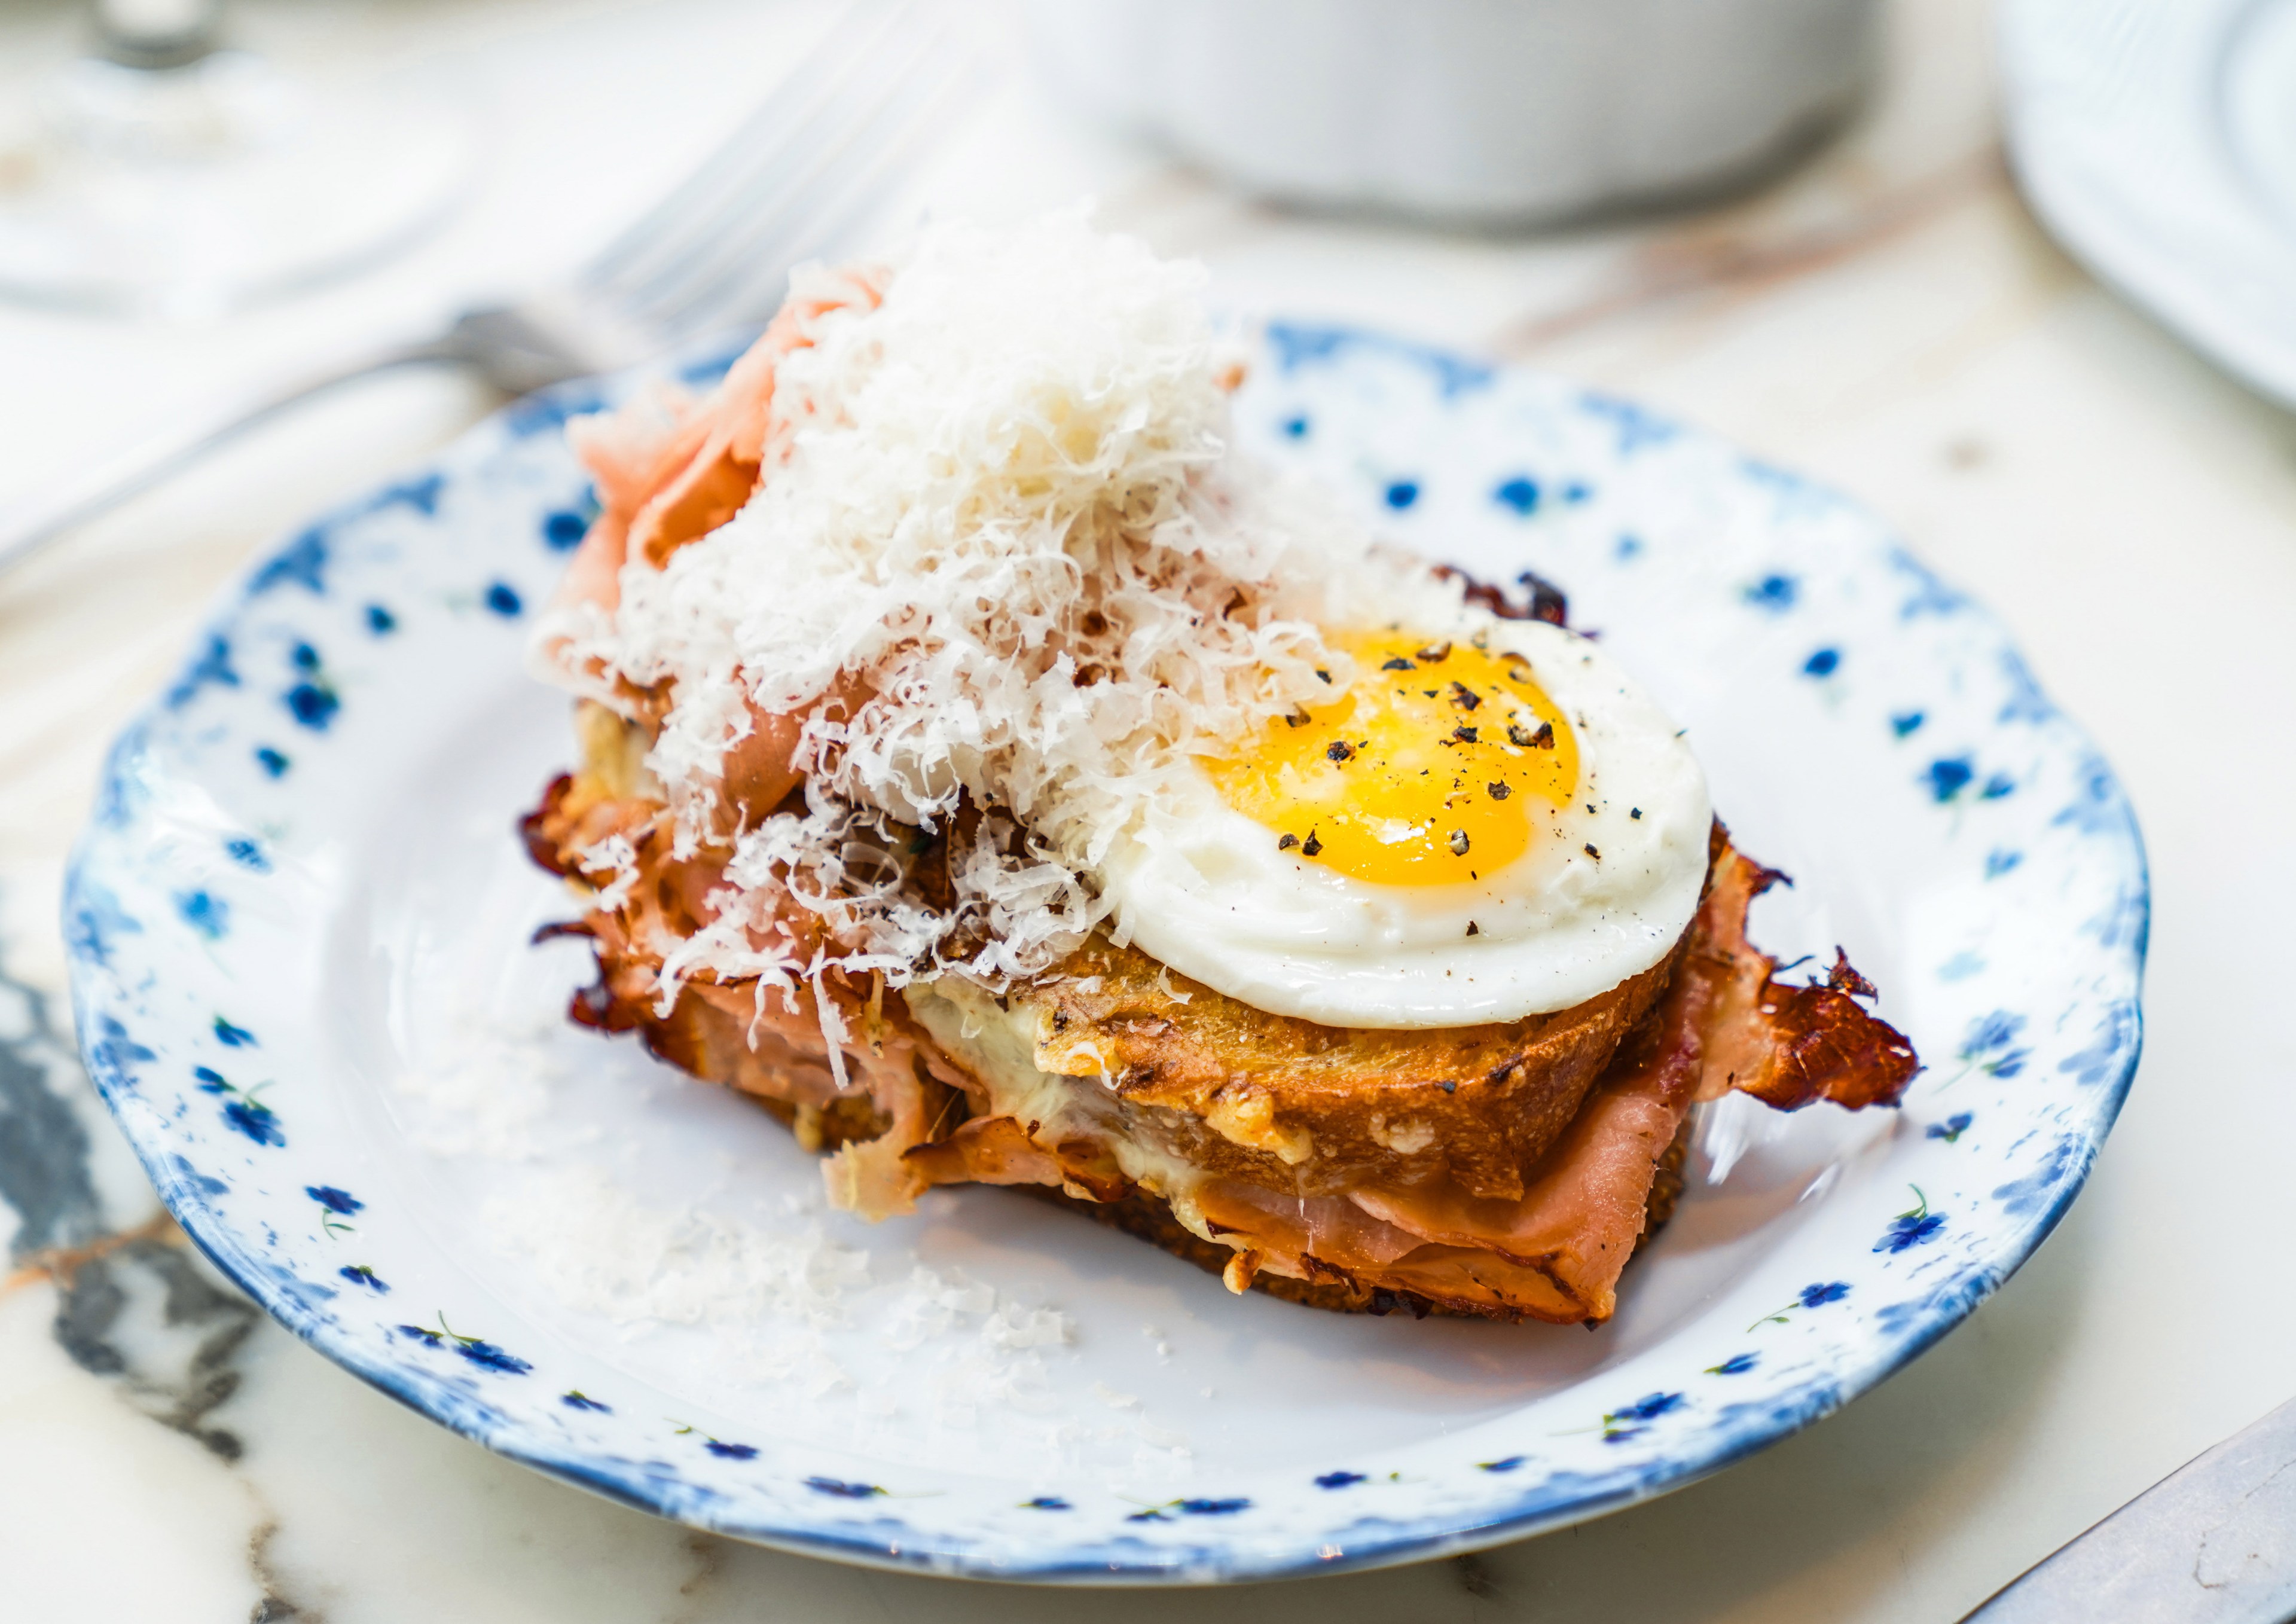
column 744, row 267
column 851, row 110
column 858, row 117
column 757, row 150
column 837, row 207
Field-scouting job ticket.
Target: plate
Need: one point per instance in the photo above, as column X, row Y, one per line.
column 2157, row 140
column 300, row 924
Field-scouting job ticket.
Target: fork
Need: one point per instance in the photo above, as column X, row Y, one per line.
column 803, row 171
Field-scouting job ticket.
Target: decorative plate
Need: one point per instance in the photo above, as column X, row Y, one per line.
column 299, row 927
column 2157, row 140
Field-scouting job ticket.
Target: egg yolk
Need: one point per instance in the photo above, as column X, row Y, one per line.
column 1424, row 771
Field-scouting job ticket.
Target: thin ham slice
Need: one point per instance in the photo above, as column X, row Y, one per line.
column 674, row 470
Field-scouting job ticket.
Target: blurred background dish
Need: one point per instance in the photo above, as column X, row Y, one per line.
column 810, row 166
column 163, row 173
column 2157, row 140
column 1485, row 112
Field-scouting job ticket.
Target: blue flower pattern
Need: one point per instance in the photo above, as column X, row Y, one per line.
column 205, row 912
column 1519, row 495
column 841, row 1490
column 476, row 1350
column 1951, row 1129
column 242, row 1112
column 1774, row 593
column 1818, row 1294
column 1189, row 1508
column 1991, row 1047
column 1633, row 1419
column 1912, row 1227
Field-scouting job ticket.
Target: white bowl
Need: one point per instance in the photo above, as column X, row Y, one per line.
column 1489, row 112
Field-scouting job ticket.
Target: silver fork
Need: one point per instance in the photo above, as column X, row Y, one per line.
column 807, row 168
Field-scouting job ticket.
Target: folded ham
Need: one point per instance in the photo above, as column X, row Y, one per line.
column 1503, row 1170
column 1506, row 1169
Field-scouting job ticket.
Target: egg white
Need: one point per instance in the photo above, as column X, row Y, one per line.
column 1206, row 891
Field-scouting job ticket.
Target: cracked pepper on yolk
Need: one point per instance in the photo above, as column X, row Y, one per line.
column 1425, row 771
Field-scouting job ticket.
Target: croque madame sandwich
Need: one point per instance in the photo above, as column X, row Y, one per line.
column 1005, row 781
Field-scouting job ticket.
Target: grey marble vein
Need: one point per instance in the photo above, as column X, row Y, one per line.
column 44, row 1171
column 133, row 1306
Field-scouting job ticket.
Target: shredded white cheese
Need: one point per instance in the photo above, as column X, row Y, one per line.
column 1004, row 503
column 615, row 858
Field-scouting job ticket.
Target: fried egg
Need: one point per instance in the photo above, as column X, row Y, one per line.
column 1483, row 824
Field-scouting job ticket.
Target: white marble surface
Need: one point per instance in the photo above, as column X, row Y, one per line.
column 1889, row 320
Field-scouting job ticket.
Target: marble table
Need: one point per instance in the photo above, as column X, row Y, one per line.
column 1888, row 319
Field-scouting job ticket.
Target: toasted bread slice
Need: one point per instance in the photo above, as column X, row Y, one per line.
column 1313, row 1110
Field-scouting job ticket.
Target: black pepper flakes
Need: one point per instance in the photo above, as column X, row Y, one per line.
column 1339, row 750
column 1323, row 674
column 1464, row 697
column 1543, row 739
column 1465, row 735
column 1450, row 1087
column 1459, row 844
column 1434, row 653
column 1593, row 853
column 1287, row 842
column 1636, row 813
column 1499, row 791
column 1399, row 664
column 1297, row 718
column 1313, row 847
column 1474, row 929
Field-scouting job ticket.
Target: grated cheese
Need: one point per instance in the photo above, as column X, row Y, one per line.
column 1003, row 502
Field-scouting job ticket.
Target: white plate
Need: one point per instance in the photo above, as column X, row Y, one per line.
column 2157, row 140
column 299, row 928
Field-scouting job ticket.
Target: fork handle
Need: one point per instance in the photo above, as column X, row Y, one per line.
column 46, row 513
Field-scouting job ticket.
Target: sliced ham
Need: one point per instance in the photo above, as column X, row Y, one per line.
column 674, row 470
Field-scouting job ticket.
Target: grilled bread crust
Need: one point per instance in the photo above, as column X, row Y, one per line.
column 1311, row 1110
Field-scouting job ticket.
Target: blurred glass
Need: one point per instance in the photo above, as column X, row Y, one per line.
column 163, row 173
